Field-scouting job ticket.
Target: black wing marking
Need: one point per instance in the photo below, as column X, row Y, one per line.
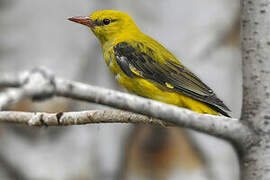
column 170, row 73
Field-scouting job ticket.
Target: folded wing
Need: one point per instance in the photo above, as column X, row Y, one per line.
column 137, row 60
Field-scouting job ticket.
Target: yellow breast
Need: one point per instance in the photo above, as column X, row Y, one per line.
column 148, row 89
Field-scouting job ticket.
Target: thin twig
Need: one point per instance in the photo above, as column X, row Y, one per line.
column 76, row 118
column 11, row 96
column 9, row 80
column 40, row 84
column 215, row 125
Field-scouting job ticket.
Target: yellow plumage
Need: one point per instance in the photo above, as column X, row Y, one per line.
column 144, row 67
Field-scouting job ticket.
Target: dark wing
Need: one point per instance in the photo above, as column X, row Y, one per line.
column 136, row 60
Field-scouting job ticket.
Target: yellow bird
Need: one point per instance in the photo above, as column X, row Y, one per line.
column 145, row 67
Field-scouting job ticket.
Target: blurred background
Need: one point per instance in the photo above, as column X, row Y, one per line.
column 204, row 34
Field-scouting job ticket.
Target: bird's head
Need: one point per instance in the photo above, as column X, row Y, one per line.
column 107, row 24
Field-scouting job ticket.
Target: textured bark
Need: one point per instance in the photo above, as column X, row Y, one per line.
column 220, row 126
column 255, row 36
column 10, row 97
column 39, row 84
column 77, row 118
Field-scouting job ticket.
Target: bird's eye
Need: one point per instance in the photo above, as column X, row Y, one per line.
column 106, row 21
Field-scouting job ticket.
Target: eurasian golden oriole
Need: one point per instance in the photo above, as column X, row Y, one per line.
column 144, row 67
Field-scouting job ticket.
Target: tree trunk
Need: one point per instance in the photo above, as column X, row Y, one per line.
column 255, row 38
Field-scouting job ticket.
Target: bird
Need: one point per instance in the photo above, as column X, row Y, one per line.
column 145, row 67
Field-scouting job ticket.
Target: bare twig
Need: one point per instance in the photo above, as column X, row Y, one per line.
column 11, row 96
column 76, row 118
column 214, row 125
column 40, row 84
column 9, row 80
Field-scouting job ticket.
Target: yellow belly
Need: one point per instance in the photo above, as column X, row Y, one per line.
column 148, row 89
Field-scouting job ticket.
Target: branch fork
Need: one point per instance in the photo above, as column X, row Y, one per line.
column 41, row 84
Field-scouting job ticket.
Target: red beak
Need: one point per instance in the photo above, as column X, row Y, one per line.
column 82, row 20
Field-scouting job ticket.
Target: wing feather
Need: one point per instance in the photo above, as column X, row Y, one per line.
column 132, row 56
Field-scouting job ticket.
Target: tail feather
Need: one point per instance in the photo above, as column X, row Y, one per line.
column 219, row 110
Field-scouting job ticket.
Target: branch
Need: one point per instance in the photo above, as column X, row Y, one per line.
column 41, row 84
column 9, row 80
column 76, row 118
column 11, row 96
column 255, row 38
